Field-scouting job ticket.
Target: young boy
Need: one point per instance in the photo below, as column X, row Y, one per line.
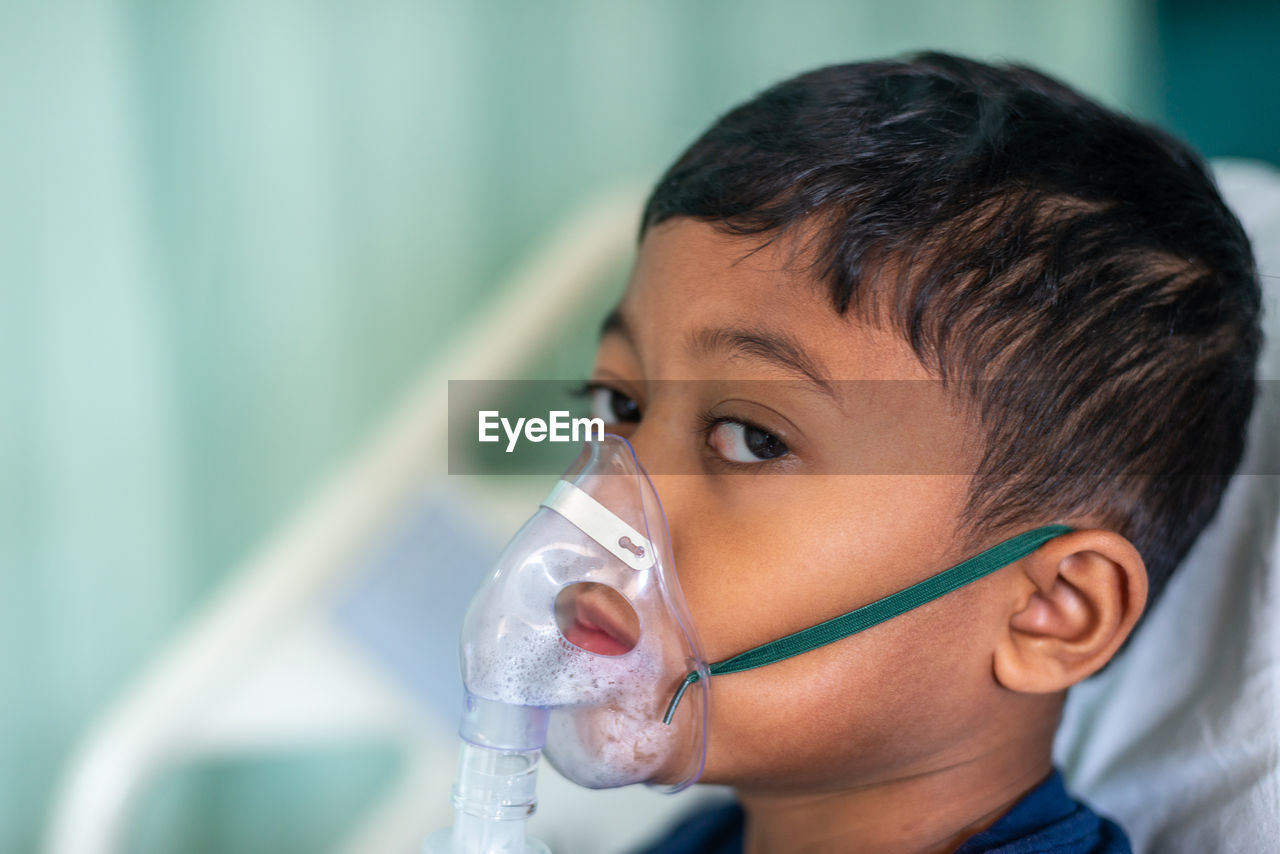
column 983, row 303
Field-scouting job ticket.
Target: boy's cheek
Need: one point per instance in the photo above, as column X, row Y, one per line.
column 767, row 556
column 792, row 551
column 872, row 705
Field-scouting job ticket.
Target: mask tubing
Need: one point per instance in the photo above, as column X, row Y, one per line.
column 497, row 776
column 488, row 723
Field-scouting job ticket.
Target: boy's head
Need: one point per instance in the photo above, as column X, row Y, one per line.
column 1077, row 312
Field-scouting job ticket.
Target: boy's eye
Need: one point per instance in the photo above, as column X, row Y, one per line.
column 744, row 443
column 733, row 440
column 613, row 406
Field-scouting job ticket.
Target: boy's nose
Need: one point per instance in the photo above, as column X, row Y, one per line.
column 664, row 460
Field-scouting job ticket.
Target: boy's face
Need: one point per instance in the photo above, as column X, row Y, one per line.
column 791, row 537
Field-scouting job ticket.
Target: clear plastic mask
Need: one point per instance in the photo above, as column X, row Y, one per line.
column 583, row 617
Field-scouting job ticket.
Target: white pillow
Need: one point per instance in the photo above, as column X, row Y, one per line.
column 1179, row 740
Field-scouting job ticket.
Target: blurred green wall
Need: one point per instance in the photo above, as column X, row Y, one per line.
column 231, row 231
column 1220, row 75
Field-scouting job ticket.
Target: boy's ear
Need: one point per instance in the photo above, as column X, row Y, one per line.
column 1076, row 599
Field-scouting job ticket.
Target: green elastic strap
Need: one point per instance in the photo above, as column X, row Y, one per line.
column 838, row 628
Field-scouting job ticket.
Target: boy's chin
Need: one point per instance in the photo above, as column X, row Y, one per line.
column 723, row 771
column 771, row 773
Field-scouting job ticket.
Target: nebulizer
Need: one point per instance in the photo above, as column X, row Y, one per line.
column 579, row 644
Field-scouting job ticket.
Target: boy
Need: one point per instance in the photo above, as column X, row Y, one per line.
column 983, row 304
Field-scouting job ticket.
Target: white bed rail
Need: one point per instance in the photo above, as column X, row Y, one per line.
column 256, row 666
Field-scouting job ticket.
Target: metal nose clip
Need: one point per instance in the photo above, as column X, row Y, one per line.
column 626, row 543
column 601, row 524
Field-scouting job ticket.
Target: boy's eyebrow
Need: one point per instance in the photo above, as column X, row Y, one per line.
column 615, row 322
column 777, row 347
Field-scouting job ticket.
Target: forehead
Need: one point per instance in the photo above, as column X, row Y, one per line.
column 690, row 277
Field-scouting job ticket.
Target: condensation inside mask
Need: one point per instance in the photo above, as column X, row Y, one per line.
column 583, row 616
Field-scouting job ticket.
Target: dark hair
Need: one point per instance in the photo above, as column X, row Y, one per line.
column 1073, row 271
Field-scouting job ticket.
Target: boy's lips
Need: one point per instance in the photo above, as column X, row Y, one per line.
column 600, row 627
